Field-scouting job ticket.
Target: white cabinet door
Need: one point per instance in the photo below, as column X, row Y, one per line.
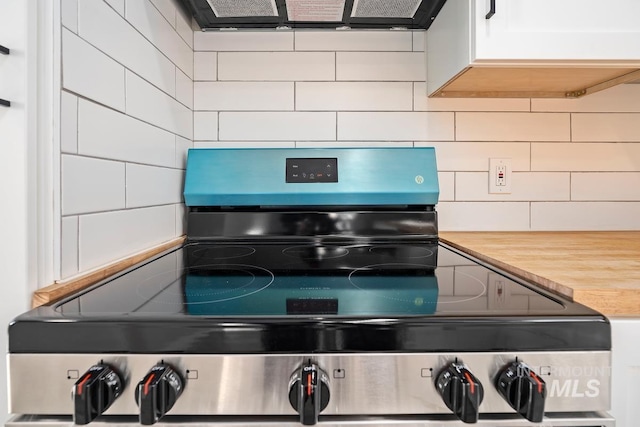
column 626, row 370
column 566, row 30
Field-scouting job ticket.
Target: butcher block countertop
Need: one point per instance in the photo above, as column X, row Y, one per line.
column 599, row 269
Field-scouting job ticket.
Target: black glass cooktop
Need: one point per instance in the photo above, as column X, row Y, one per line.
column 255, row 297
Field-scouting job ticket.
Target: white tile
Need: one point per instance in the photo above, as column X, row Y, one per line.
column 91, row 185
column 354, row 96
column 525, row 186
column 586, row 157
column 147, row 103
column 354, row 40
column 69, row 14
column 419, row 41
column 108, row 134
column 585, row 216
column 244, row 144
column 151, row 185
column 109, row 32
column 182, row 147
column 146, row 19
column 474, row 156
column 618, row 99
column 613, row 186
column 605, row 127
column 108, row 236
column 205, row 126
column 483, row 216
column 68, row 123
column 512, row 127
column 239, row 96
column 181, row 220
column 168, row 9
column 184, row 89
column 276, row 66
column 83, row 66
column 447, row 181
column 205, row 66
column 183, row 26
column 274, row 126
column 69, row 246
column 352, row 144
column 380, row 66
column 408, row 126
column 423, row 103
column 238, row 41
column 117, row 5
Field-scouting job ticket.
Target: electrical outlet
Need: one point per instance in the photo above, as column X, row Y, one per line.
column 500, row 176
column 498, row 291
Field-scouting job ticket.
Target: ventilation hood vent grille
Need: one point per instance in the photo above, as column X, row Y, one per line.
column 362, row 14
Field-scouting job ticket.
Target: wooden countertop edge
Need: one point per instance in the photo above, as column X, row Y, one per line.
column 57, row 291
column 539, row 280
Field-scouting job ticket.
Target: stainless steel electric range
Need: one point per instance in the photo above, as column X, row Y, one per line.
column 312, row 289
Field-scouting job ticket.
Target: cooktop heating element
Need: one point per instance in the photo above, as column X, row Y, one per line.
column 312, row 290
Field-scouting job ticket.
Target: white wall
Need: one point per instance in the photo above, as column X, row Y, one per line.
column 126, row 123
column 576, row 162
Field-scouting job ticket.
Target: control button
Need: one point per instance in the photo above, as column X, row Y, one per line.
column 309, row 392
column 312, row 176
column 339, row 373
column 426, row 372
column 158, row 392
column 523, row 390
column 94, row 393
column 461, row 391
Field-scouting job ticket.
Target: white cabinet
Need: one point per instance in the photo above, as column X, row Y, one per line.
column 626, row 370
column 532, row 47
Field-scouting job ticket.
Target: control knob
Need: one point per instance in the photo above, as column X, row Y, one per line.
column 523, row 390
column 461, row 391
column 94, row 393
column 309, row 392
column 158, row 392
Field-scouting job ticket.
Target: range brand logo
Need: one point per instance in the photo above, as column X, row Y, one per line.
column 574, row 388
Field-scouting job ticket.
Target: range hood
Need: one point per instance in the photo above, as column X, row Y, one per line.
column 360, row 14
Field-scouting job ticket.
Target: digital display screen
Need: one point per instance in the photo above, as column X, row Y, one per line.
column 312, row 306
column 312, row 170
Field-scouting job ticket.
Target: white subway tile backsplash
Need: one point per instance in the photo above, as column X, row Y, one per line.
column 525, row 186
column 603, row 186
column 151, row 105
column 181, row 220
column 352, row 144
column 423, row 103
column 69, row 246
column 277, row 126
column 108, row 236
column 585, row 216
column 151, row 23
column 182, row 147
column 244, row 144
column 605, row 127
column 395, row 126
column 483, row 216
column 354, row 96
column 91, row 185
column 618, row 99
column 419, row 41
column 276, row 66
column 205, row 66
column 238, row 41
column 69, row 14
column 168, row 9
column 239, row 96
column 108, row 134
column 585, row 157
column 117, row 5
column 205, row 126
column 447, row 181
column 109, row 32
column 390, row 41
column 151, row 185
column 183, row 26
column 380, row 66
column 512, row 127
column 184, row 89
column 83, row 65
column 68, row 123
column 474, row 156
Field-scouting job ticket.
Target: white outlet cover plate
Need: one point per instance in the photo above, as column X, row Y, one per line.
column 494, row 188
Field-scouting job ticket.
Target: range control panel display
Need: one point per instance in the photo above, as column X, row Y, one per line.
column 312, row 170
